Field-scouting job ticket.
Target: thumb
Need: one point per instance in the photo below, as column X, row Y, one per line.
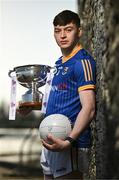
column 51, row 138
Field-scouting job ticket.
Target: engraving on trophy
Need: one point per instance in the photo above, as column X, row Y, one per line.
column 32, row 77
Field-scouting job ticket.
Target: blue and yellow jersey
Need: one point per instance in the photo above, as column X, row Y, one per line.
column 73, row 74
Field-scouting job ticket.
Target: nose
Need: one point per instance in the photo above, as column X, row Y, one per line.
column 63, row 34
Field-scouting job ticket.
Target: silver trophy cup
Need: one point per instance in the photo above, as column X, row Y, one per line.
column 32, row 77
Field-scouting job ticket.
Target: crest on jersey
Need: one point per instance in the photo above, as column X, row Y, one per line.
column 65, row 70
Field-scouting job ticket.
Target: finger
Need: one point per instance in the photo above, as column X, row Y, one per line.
column 47, row 146
column 51, row 138
column 46, row 143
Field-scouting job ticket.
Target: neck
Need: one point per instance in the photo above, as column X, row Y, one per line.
column 66, row 52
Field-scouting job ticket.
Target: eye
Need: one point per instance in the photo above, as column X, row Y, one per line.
column 69, row 29
column 57, row 30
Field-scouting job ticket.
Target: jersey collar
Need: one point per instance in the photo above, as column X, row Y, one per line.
column 75, row 50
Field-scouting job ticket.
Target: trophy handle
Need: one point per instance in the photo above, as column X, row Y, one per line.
column 48, row 70
column 9, row 73
column 42, row 80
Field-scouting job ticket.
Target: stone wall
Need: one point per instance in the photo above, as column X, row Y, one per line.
column 112, row 86
column 101, row 38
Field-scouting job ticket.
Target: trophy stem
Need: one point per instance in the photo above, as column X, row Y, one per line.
column 34, row 89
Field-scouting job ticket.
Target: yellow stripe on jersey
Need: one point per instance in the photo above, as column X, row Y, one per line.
column 90, row 70
column 85, row 87
column 87, row 70
column 84, row 68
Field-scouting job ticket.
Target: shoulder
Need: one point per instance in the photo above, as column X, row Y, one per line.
column 84, row 59
column 84, row 54
column 85, row 65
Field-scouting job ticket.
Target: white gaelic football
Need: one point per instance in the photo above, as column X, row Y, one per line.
column 56, row 124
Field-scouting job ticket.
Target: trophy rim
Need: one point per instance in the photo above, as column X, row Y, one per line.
column 29, row 65
column 20, row 69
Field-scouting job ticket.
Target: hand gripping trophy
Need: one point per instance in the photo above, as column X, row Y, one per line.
column 32, row 77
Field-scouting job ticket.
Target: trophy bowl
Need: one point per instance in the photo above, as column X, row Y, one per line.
column 32, row 77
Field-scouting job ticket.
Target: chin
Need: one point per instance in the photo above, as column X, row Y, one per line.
column 64, row 46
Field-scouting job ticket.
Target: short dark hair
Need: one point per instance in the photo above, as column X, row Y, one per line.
column 65, row 17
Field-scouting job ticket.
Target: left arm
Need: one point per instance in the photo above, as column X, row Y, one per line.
column 83, row 119
column 86, row 114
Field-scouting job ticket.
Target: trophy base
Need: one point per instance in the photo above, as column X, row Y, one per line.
column 31, row 105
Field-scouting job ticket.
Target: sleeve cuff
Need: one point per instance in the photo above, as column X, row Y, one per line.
column 86, row 87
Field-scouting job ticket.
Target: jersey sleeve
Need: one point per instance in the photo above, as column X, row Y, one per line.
column 85, row 74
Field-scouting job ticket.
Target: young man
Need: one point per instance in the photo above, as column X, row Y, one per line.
column 72, row 94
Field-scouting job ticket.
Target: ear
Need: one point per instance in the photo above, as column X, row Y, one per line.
column 80, row 32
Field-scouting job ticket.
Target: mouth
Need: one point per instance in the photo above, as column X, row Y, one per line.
column 63, row 42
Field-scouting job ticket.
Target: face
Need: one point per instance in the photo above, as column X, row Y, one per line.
column 66, row 36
